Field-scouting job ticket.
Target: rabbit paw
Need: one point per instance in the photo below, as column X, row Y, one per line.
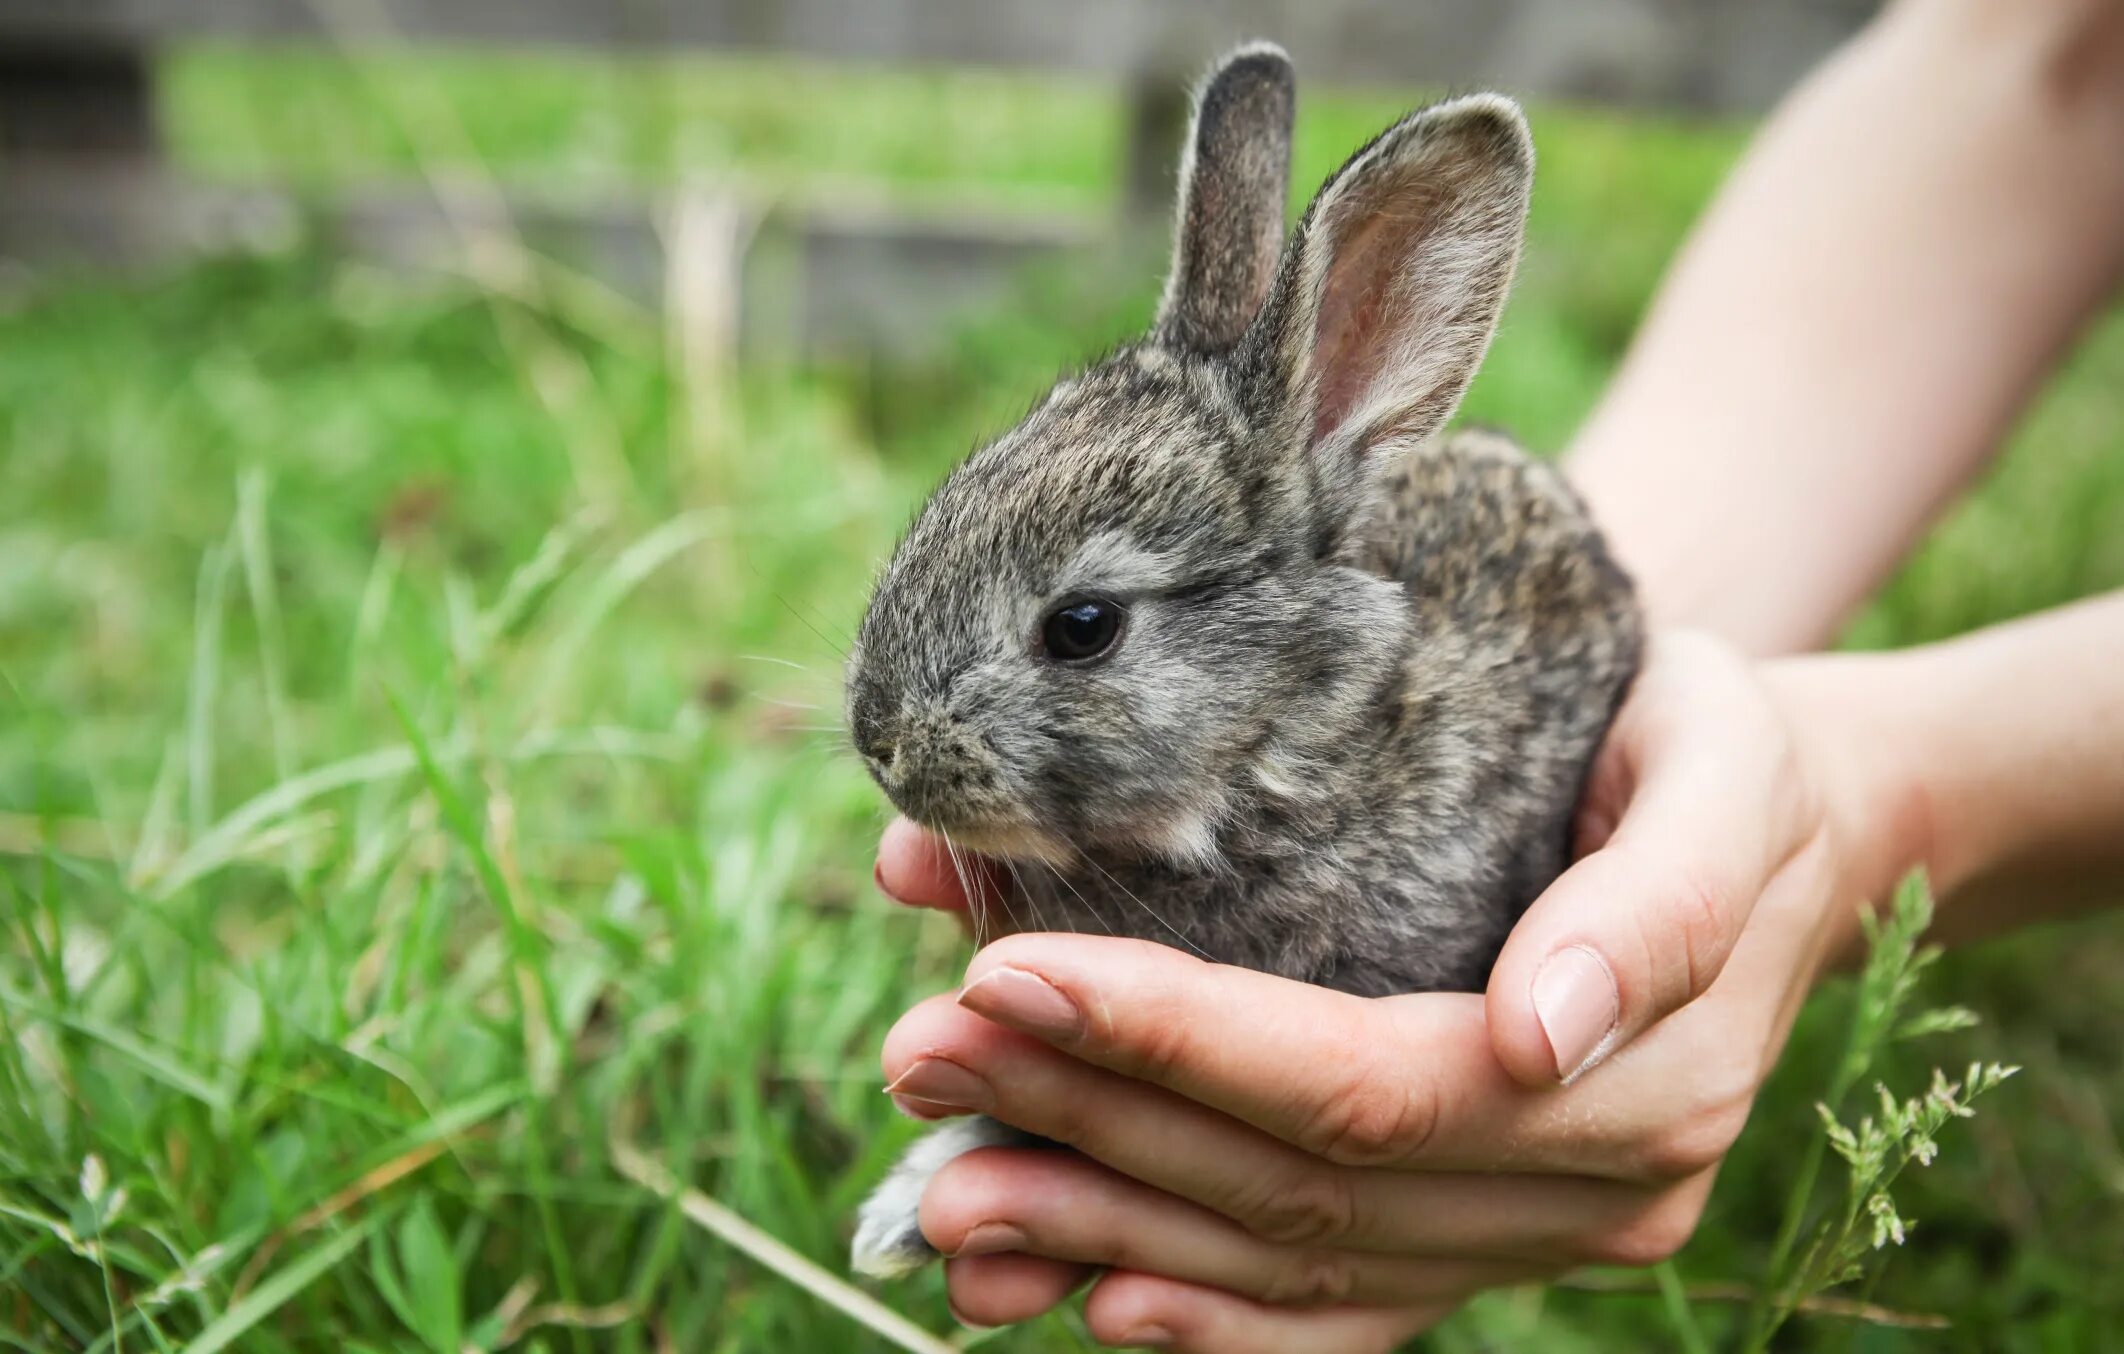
column 888, row 1240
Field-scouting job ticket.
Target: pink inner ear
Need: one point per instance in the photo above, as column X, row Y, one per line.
column 1370, row 306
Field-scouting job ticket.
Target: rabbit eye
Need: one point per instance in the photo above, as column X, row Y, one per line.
column 1082, row 629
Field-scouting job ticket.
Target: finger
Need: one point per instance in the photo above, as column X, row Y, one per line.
column 1144, row 1310
column 920, row 869
column 1068, row 1207
column 1278, row 1192
column 1364, row 1082
column 1644, row 925
column 1004, row 1289
column 1404, row 1082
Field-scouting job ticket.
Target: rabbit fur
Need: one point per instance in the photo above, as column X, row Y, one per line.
column 1363, row 666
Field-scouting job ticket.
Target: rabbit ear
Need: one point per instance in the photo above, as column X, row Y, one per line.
column 1234, row 176
column 1393, row 284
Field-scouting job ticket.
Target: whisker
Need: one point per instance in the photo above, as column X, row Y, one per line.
column 824, row 747
column 1097, row 913
column 951, row 855
column 1148, row 910
column 1010, row 884
column 974, row 892
column 1032, row 905
column 966, row 889
column 790, row 663
column 977, row 901
column 802, row 620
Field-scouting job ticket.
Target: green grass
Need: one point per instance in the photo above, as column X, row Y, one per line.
column 415, row 766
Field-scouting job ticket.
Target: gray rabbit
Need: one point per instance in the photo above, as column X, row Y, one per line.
column 1225, row 646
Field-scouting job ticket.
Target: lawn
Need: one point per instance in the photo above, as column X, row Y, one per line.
column 419, row 782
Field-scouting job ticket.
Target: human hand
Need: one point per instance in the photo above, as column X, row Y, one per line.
column 1267, row 1165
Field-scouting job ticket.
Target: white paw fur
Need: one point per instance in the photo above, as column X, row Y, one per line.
column 888, row 1240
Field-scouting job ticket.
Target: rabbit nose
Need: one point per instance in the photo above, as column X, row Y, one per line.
column 933, row 769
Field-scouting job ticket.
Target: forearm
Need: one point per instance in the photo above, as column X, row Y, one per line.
column 1870, row 302
column 1994, row 761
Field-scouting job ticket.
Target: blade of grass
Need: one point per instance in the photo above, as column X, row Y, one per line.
column 256, row 546
column 371, row 613
column 1680, row 1314
column 158, row 826
column 157, row 1063
column 634, row 564
column 231, row 836
column 206, row 682
column 535, row 1016
column 284, row 1284
column 736, row 1232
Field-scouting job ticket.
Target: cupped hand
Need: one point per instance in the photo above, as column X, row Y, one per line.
column 1262, row 1164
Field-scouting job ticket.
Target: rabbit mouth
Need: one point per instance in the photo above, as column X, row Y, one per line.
column 1008, row 840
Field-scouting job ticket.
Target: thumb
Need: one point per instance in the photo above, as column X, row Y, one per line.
column 921, row 869
column 1644, row 924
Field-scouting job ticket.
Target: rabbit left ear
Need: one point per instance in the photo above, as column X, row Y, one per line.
column 1392, row 287
column 1234, row 176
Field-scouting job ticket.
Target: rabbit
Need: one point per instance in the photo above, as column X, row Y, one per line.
column 1226, row 645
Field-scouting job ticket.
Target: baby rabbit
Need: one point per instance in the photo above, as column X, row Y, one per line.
column 1225, row 646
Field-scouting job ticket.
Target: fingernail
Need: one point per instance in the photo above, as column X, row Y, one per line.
column 991, row 1238
column 921, row 1110
column 1575, row 1001
column 941, row 1085
column 1024, row 1001
column 1152, row 1336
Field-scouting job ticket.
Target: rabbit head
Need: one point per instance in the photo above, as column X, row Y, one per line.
column 1142, row 608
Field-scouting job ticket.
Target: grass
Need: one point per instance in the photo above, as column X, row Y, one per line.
column 416, row 791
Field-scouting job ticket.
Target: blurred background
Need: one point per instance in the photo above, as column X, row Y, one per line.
column 443, row 450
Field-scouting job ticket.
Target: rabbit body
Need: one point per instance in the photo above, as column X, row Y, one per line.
column 1226, row 645
column 1397, row 854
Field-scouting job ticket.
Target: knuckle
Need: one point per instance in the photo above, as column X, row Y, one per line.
column 1651, row 1236
column 1124, row 1249
column 1369, row 1121
column 1699, row 913
column 1795, row 797
column 1071, row 1120
column 1700, row 1139
column 1312, row 1208
column 1311, row 1278
column 1684, row 1149
column 1152, row 1050
column 1069, row 1125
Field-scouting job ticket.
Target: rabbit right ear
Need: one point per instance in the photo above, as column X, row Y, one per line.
column 1234, row 177
column 1391, row 289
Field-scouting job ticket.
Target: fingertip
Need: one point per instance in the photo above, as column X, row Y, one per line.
column 1579, row 1007
column 974, row 1189
column 1552, row 1006
column 1516, row 1036
column 913, row 868
column 1026, row 950
column 1135, row 1310
column 1076, row 962
column 1002, row 1290
column 1127, row 1308
column 939, row 1026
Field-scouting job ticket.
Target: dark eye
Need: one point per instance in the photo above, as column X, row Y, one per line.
column 1079, row 631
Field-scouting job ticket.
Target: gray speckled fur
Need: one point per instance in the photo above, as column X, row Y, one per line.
column 1366, row 665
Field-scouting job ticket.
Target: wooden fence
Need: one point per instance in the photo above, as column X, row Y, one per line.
column 81, row 173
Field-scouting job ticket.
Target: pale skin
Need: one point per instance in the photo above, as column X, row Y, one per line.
column 1267, row 1165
